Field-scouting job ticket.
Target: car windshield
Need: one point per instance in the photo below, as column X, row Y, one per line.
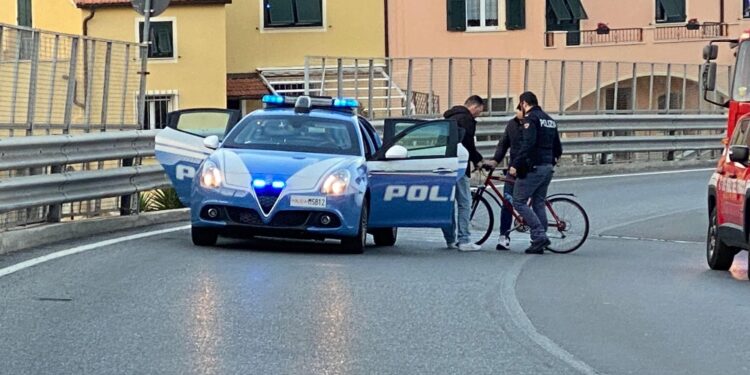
column 295, row 133
column 742, row 74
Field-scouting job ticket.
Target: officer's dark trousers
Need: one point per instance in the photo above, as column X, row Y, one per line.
column 534, row 186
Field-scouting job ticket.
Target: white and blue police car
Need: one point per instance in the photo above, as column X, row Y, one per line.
column 310, row 168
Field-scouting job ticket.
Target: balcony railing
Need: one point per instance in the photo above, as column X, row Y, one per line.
column 593, row 37
column 706, row 30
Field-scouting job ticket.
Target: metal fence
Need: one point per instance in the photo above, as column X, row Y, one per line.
column 52, row 84
column 389, row 87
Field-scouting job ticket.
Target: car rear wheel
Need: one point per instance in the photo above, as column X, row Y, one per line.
column 204, row 236
column 356, row 244
column 718, row 255
column 385, row 237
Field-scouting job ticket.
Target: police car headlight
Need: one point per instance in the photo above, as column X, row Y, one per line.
column 211, row 176
column 336, row 183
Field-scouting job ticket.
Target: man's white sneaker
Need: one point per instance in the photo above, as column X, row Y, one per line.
column 503, row 244
column 451, row 246
column 469, row 247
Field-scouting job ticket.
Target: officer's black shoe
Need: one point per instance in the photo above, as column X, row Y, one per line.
column 538, row 247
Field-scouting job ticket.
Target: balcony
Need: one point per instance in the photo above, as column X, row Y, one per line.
column 593, row 37
column 706, row 30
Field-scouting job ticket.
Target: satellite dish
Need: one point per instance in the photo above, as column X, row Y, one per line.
column 157, row 6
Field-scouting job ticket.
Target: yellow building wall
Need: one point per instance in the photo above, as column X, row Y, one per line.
column 350, row 28
column 198, row 73
column 55, row 15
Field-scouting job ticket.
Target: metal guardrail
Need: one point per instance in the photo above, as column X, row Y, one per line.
column 628, row 136
column 586, row 140
column 59, row 186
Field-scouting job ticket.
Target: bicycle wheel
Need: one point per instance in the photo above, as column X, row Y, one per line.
column 568, row 225
column 482, row 217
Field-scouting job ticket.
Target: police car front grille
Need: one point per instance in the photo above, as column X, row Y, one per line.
column 290, row 219
column 244, row 216
column 267, row 202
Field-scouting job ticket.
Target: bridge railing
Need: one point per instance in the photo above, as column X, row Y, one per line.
column 427, row 86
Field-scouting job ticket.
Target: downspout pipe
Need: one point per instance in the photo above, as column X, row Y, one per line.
column 85, row 28
column 387, row 32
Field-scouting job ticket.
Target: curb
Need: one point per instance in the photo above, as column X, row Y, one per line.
column 20, row 239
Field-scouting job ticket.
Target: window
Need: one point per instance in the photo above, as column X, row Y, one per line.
column 292, row 13
column 161, row 40
column 24, row 12
column 675, row 101
column 668, row 11
column 481, row 14
column 624, row 99
column 486, row 14
column 157, row 108
column 739, row 134
column 430, row 140
column 500, row 105
column 565, row 15
column 745, row 8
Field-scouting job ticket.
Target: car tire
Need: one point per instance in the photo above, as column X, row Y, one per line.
column 385, row 236
column 204, row 236
column 356, row 244
column 719, row 255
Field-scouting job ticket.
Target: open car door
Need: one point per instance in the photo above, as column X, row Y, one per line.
column 413, row 176
column 180, row 149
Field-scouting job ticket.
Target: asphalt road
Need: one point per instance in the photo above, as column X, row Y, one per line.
column 637, row 298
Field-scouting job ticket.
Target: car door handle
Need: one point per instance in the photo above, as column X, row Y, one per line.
column 442, row 171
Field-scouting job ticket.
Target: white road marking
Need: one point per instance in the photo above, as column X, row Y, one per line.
column 80, row 249
column 631, row 175
column 523, row 324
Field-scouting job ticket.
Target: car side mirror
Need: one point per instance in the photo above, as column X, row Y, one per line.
column 739, row 154
column 211, row 142
column 710, row 52
column 397, row 152
column 709, row 76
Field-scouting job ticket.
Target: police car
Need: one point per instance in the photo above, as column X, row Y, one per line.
column 310, row 168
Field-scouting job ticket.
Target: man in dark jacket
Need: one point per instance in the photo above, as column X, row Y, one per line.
column 533, row 165
column 511, row 141
column 465, row 115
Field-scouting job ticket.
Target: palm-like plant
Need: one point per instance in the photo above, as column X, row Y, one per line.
column 165, row 199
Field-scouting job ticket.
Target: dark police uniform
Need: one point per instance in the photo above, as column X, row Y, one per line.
column 534, row 162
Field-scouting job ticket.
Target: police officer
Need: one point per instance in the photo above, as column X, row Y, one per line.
column 533, row 166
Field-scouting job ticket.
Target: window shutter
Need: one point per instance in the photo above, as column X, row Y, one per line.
column 309, row 12
column 577, row 10
column 515, row 14
column 280, row 12
column 560, row 10
column 456, row 15
column 24, row 13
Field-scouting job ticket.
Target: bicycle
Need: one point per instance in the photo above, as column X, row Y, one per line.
column 568, row 218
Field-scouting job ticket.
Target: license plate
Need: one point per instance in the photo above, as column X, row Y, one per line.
column 310, row 202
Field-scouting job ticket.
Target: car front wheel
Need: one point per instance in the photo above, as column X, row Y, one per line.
column 385, row 237
column 718, row 255
column 356, row 244
column 204, row 236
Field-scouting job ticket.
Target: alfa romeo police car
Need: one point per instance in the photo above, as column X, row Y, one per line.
column 310, row 168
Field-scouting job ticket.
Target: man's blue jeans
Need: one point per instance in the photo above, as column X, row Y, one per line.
column 463, row 211
column 506, row 216
column 534, row 186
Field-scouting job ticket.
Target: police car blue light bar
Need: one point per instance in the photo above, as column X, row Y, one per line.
column 273, row 99
column 345, row 103
column 280, row 100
